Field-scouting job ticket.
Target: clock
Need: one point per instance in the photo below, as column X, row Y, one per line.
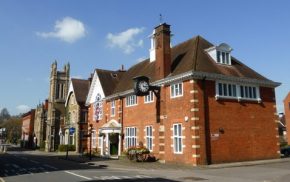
column 141, row 85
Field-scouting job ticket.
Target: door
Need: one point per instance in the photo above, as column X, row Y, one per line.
column 114, row 143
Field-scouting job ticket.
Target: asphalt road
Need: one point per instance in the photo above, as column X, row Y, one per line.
column 27, row 166
column 19, row 166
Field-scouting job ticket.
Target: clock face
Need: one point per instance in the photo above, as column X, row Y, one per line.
column 143, row 86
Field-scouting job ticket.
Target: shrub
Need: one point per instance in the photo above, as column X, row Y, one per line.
column 137, row 153
column 63, row 148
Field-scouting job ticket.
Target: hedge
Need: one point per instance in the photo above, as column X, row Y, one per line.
column 62, row 148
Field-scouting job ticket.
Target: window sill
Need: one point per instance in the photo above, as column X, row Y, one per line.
column 132, row 105
column 149, row 102
column 239, row 99
column 178, row 153
column 223, row 64
column 173, row 97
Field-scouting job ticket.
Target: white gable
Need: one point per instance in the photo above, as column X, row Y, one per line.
column 70, row 89
column 95, row 89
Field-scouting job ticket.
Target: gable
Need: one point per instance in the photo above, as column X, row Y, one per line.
column 70, row 90
column 95, row 89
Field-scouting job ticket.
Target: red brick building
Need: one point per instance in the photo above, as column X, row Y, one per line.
column 287, row 115
column 211, row 107
column 28, row 128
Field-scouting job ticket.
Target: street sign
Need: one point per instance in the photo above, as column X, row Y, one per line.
column 71, row 131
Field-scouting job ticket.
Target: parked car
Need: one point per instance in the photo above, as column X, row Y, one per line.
column 285, row 151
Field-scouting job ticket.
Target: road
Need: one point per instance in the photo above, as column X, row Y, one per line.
column 24, row 167
column 28, row 166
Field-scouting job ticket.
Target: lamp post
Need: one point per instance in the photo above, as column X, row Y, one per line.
column 67, row 143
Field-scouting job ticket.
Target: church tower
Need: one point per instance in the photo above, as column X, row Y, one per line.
column 59, row 82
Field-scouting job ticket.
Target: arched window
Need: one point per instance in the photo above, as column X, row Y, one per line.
column 74, row 117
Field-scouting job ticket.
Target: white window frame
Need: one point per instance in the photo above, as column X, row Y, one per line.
column 175, row 90
column 177, row 138
column 71, row 139
column 94, row 139
column 113, row 108
column 228, row 90
column 149, row 137
column 130, row 137
column 249, row 92
column 131, row 100
column 223, row 57
column 149, row 98
column 240, row 95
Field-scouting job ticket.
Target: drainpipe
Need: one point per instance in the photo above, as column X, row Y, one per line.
column 206, row 124
column 122, row 123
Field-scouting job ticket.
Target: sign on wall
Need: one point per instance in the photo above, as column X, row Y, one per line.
column 98, row 108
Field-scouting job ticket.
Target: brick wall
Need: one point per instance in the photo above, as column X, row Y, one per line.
column 287, row 115
column 250, row 130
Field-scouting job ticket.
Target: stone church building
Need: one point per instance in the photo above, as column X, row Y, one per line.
column 59, row 81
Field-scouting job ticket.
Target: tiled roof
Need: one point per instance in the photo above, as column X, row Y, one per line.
column 109, row 80
column 81, row 89
column 188, row 56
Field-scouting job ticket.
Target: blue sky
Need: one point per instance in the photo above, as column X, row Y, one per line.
column 109, row 33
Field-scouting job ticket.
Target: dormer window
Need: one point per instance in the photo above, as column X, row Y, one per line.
column 221, row 53
column 223, row 57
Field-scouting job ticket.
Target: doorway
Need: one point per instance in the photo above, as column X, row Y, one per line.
column 114, row 143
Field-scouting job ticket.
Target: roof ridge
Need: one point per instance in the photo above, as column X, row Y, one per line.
column 188, row 40
column 79, row 79
column 99, row 69
column 196, row 52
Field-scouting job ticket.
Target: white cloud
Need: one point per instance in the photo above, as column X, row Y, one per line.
column 126, row 40
column 23, row 108
column 67, row 29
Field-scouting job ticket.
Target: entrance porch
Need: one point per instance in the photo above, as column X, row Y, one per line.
column 110, row 139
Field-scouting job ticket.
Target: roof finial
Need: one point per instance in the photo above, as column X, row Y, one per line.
column 160, row 18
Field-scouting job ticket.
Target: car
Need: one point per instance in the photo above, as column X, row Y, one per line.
column 285, row 151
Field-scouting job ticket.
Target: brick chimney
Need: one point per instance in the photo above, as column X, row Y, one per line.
column 46, row 104
column 160, row 51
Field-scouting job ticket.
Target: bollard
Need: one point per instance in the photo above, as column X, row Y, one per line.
column 5, row 149
column 1, row 148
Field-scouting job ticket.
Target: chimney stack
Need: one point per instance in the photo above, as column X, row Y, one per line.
column 160, row 51
column 46, row 104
